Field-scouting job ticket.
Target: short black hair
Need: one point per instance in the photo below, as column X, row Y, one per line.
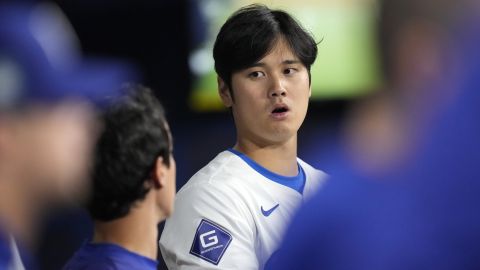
column 251, row 32
column 135, row 134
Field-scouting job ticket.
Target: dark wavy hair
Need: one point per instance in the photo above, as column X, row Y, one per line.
column 250, row 34
column 135, row 134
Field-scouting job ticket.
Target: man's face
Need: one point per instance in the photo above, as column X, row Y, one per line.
column 271, row 97
column 53, row 149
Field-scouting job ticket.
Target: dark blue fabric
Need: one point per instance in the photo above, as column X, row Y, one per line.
column 35, row 76
column 5, row 253
column 108, row 257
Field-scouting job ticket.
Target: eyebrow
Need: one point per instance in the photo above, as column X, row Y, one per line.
column 288, row 62
column 285, row 62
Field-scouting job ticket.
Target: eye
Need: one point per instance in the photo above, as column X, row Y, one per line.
column 256, row 74
column 289, row 71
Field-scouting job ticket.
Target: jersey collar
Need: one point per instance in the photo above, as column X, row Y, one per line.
column 296, row 183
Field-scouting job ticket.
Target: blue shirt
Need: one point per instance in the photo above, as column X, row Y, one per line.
column 103, row 256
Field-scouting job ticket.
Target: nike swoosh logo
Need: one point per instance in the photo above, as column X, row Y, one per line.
column 269, row 211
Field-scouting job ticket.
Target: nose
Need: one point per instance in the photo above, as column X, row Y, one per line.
column 277, row 88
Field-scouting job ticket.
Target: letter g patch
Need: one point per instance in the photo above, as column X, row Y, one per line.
column 210, row 242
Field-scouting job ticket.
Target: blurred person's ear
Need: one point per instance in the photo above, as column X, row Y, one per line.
column 164, row 183
column 224, row 92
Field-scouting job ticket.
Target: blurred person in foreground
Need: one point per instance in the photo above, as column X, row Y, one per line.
column 133, row 185
column 420, row 66
column 233, row 212
column 421, row 213
column 47, row 124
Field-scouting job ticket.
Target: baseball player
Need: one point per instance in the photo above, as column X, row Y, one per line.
column 233, row 212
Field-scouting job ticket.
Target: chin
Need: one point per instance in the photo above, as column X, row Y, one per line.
column 283, row 129
column 280, row 135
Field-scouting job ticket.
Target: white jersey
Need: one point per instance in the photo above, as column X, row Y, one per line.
column 232, row 214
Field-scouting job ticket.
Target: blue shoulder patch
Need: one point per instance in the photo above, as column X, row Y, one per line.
column 210, row 242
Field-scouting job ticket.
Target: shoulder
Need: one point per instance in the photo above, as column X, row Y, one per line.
column 314, row 179
column 216, row 193
column 223, row 195
column 90, row 263
column 109, row 257
column 222, row 174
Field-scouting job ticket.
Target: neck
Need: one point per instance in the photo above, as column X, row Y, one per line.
column 280, row 158
column 136, row 232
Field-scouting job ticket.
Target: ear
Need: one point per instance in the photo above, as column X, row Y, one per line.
column 159, row 174
column 224, row 93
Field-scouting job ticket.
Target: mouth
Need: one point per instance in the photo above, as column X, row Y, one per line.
column 280, row 111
